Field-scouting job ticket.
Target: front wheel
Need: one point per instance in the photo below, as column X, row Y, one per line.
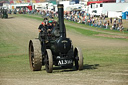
column 48, row 61
column 78, row 58
column 35, row 56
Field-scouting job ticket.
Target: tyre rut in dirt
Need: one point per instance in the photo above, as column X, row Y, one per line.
column 48, row 61
column 35, row 56
column 78, row 62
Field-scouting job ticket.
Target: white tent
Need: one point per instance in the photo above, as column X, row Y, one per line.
column 114, row 14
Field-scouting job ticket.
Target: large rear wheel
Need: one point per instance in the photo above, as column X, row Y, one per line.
column 35, row 56
column 48, row 61
column 78, row 58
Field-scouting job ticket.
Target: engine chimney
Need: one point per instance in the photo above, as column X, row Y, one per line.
column 61, row 20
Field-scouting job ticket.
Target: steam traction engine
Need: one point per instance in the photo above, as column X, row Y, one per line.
column 59, row 50
column 4, row 13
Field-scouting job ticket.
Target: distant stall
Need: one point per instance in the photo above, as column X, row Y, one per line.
column 125, row 15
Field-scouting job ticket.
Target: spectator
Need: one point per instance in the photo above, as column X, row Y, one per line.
column 106, row 25
column 121, row 28
column 117, row 26
column 111, row 20
column 93, row 22
column 114, row 24
column 119, row 20
column 108, row 22
column 112, row 28
column 96, row 22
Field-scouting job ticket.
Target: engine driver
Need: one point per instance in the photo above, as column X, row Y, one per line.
column 49, row 27
column 42, row 33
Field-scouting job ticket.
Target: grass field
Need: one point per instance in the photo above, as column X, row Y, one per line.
column 105, row 58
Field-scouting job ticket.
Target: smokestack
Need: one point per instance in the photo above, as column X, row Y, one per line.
column 61, row 20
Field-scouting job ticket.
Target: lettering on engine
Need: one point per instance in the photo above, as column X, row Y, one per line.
column 64, row 62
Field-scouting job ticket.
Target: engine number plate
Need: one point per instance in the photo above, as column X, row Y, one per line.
column 64, row 62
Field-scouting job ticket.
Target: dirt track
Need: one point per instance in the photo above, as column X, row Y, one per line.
column 26, row 29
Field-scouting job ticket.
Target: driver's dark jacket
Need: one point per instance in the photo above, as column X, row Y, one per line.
column 42, row 28
column 43, row 31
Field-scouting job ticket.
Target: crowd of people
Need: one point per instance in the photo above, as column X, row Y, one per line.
column 85, row 18
column 91, row 20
